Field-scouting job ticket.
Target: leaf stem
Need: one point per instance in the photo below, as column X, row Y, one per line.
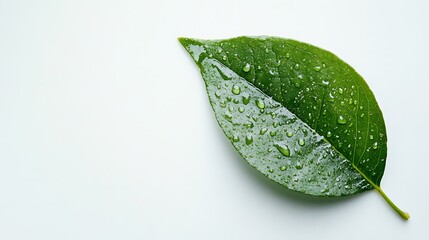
column 403, row 214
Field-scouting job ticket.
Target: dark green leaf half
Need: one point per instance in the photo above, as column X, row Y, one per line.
column 295, row 112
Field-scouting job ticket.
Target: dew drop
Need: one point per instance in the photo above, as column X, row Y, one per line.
column 236, row 89
column 282, row 168
column 317, row 68
column 271, row 170
column 260, row 103
column 246, row 67
column 283, row 149
column 297, row 85
column 298, row 166
column 289, row 134
column 249, row 139
column 328, row 134
column 287, row 55
column 375, row 145
column 228, row 116
column 217, row 94
column 371, row 137
column 263, row 131
column 224, row 57
column 331, row 98
column 246, row 100
column 301, row 142
column 275, row 124
column 305, row 132
column 249, row 124
column 272, row 133
column 340, row 90
column 341, row 120
column 235, row 138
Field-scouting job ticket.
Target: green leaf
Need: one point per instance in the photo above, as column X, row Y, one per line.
column 295, row 112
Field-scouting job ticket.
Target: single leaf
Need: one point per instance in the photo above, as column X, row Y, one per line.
column 295, row 112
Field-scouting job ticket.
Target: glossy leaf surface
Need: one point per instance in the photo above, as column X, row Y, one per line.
column 295, row 112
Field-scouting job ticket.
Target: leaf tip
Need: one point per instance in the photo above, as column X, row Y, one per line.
column 182, row 40
column 193, row 46
column 186, row 42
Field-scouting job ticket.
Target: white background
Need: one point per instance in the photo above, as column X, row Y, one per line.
column 106, row 131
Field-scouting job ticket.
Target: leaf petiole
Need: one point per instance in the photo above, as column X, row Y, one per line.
column 403, row 214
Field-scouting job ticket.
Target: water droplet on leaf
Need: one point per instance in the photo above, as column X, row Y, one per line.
column 283, row 149
column 236, row 89
column 217, row 94
column 341, row 120
column 263, row 131
column 246, row 67
column 260, row 103
column 249, row 139
column 298, row 166
column 246, row 100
